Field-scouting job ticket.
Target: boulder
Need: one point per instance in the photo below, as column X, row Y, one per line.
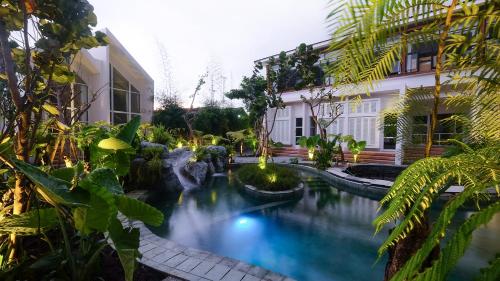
column 166, row 181
column 219, row 157
column 196, row 171
column 145, row 144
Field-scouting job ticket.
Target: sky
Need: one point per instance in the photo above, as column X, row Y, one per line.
column 223, row 36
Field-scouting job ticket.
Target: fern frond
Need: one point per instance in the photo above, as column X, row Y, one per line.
column 456, row 246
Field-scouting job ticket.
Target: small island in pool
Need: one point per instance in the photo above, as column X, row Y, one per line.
column 273, row 178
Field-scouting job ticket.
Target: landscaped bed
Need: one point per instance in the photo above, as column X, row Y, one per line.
column 272, row 178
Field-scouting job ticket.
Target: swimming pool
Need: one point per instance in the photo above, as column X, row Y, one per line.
column 327, row 235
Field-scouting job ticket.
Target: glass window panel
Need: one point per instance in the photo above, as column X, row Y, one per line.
column 133, row 89
column 373, row 107
column 119, row 100
column 358, row 129
column 119, row 118
column 372, row 126
column 411, row 62
column 366, row 107
column 341, row 126
column 119, row 82
column 135, row 102
column 81, row 94
column 298, row 122
column 352, row 125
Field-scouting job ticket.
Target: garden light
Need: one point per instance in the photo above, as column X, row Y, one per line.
column 272, row 178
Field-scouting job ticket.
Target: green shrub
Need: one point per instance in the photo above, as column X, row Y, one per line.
column 150, row 172
column 152, row 152
column 272, row 178
column 158, row 134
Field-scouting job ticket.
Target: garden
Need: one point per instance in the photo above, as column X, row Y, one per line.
column 206, row 181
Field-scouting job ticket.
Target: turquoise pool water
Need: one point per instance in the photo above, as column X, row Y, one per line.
column 327, row 235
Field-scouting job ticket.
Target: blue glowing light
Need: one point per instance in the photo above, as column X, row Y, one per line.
column 242, row 221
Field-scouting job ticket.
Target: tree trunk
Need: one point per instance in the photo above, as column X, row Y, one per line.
column 407, row 247
column 21, row 144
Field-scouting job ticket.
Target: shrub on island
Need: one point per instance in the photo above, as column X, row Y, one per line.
column 272, row 178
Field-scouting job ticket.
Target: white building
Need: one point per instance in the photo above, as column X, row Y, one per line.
column 123, row 87
column 362, row 119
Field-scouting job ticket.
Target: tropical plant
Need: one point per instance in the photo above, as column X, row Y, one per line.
column 355, row 147
column 310, row 143
column 419, row 186
column 370, row 37
column 324, row 156
column 158, row 134
column 76, row 199
column 38, row 41
column 212, row 140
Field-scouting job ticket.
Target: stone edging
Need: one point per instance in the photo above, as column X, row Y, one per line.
column 371, row 188
column 295, row 193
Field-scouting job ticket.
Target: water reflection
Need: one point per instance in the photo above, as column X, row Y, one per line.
column 327, row 235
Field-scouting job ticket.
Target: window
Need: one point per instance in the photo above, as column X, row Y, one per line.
column 422, row 57
column 363, row 128
column 419, row 129
column 125, row 98
column 411, row 62
column 298, row 129
column 74, row 97
column 396, row 69
column 446, row 129
column 390, row 132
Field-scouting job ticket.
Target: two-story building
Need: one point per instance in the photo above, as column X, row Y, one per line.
column 363, row 118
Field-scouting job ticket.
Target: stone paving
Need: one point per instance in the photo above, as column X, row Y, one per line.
column 196, row 265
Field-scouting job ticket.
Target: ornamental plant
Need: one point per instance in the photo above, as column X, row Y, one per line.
column 355, row 147
column 82, row 203
column 310, row 143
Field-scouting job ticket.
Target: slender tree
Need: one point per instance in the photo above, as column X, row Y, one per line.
column 38, row 40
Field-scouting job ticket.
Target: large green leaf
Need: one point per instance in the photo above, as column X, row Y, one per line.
column 52, row 189
column 65, row 173
column 31, row 222
column 128, row 132
column 137, row 210
column 119, row 162
column 96, row 217
column 105, row 177
column 126, row 242
column 113, row 143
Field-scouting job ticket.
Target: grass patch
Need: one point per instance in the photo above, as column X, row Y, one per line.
column 273, row 178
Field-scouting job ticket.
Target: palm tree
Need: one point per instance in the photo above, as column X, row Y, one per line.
column 372, row 36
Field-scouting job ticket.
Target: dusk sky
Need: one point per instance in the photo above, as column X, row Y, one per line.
column 220, row 34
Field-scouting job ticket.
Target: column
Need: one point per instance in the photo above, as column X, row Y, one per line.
column 398, row 160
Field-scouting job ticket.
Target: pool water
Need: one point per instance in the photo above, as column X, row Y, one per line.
column 327, row 235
